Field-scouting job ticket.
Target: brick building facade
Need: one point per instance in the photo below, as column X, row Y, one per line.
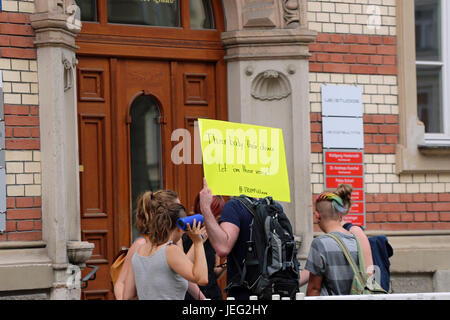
column 366, row 43
column 350, row 51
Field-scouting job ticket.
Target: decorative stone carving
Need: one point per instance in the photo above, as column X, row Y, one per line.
column 68, row 73
column 79, row 252
column 270, row 85
column 291, row 13
column 56, row 23
column 259, row 14
column 249, row 70
column 291, row 69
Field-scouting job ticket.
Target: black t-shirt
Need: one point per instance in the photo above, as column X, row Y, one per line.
column 211, row 290
column 235, row 212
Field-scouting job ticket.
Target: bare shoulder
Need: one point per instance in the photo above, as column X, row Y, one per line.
column 358, row 231
column 136, row 244
column 173, row 248
column 140, row 241
column 173, row 253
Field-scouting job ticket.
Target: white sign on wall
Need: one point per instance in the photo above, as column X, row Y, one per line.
column 342, row 101
column 343, row 133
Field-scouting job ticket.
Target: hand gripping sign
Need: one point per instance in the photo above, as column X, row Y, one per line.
column 244, row 159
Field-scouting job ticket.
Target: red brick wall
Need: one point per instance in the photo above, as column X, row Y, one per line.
column 355, row 54
column 430, row 211
column 16, row 36
column 24, row 216
column 24, row 219
column 376, row 55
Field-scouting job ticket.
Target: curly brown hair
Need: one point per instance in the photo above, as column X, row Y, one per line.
column 146, row 206
column 164, row 221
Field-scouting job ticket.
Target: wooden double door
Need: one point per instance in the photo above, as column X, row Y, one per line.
column 128, row 114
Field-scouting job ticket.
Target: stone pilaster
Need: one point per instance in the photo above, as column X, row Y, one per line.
column 56, row 26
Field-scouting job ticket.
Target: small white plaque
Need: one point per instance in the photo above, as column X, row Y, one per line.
column 343, row 133
column 342, row 101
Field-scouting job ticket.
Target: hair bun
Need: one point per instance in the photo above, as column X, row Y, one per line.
column 344, row 191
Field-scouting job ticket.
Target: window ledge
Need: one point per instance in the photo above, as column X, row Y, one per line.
column 434, row 149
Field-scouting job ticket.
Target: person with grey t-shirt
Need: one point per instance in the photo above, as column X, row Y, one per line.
column 327, row 260
column 329, row 271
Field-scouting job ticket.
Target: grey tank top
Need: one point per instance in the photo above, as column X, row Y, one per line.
column 155, row 280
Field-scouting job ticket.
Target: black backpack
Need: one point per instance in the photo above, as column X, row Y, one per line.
column 270, row 265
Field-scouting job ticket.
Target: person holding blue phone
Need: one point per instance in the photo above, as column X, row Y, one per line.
column 160, row 269
column 215, row 267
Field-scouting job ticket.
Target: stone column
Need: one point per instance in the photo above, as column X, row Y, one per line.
column 56, row 27
column 268, row 84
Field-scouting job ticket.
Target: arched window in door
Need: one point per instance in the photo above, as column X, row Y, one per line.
column 145, row 148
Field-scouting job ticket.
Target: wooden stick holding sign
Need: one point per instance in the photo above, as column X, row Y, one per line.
column 244, row 159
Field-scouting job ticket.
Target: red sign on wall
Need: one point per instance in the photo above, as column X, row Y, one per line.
column 347, row 167
column 357, row 207
column 343, row 157
column 344, row 170
column 358, row 195
column 355, row 182
column 357, row 220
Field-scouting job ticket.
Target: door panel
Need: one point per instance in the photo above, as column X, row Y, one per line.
column 184, row 92
column 196, row 98
column 94, row 131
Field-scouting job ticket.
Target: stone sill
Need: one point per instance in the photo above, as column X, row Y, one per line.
column 21, row 244
column 434, row 149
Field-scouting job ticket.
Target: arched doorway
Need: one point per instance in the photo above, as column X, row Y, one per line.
column 169, row 66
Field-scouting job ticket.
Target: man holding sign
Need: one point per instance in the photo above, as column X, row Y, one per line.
column 229, row 237
column 239, row 159
column 244, row 159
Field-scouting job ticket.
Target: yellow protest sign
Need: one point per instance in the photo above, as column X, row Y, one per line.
column 244, row 159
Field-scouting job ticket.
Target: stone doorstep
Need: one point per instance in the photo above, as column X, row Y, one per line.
column 25, row 269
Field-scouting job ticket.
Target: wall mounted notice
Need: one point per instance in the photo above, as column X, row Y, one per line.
column 244, row 159
column 345, row 133
column 2, row 161
column 347, row 167
column 342, row 101
column 343, row 144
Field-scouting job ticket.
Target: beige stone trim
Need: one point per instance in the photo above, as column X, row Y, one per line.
column 409, row 159
column 25, row 269
column 267, row 44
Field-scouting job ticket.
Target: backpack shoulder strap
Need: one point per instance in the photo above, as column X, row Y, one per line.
column 247, row 202
column 362, row 264
column 347, row 255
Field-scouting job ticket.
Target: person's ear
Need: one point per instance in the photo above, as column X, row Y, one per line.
column 316, row 215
